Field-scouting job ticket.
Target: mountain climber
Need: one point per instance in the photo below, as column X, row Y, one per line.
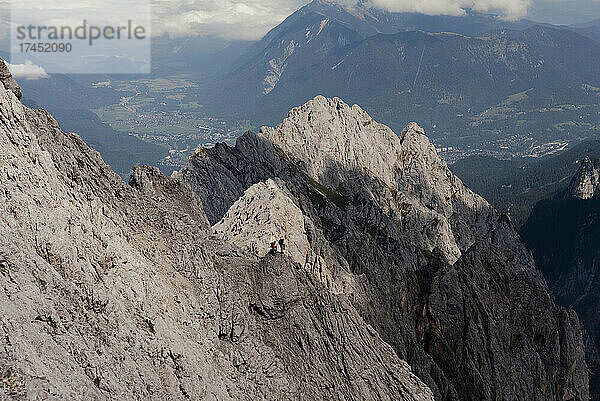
column 281, row 245
column 273, row 248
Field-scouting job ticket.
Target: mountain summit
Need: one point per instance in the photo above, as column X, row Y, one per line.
column 379, row 219
column 473, row 81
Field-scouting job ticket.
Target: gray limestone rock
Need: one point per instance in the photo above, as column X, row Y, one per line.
column 586, row 183
column 170, row 193
column 434, row 269
column 118, row 292
column 8, row 81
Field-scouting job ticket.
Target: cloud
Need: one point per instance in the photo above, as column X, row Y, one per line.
column 509, row 9
column 232, row 19
column 251, row 19
column 28, row 71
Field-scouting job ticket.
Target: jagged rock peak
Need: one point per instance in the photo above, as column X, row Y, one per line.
column 437, row 272
column 8, row 81
column 412, row 130
column 174, row 194
column 344, row 149
column 335, row 141
column 586, row 183
column 264, row 214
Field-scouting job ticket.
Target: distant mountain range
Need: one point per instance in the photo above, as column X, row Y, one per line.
column 591, row 29
column 305, row 51
column 477, row 83
column 198, row 56
column 565, row 12
column 485, row 81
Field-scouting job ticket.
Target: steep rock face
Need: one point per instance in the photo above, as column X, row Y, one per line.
column 494, row 326
column 266, row 214
column 436, row 271
column 586, row 183
column 563, row 236
column 109, row 291
column 342, row 148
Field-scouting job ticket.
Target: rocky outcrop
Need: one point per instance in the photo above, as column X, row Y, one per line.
column 111, row 291
column 343, row 148
column 434, row 269
column 171, row 194
column 586, row 183
column 266, row 213
column 8, row 81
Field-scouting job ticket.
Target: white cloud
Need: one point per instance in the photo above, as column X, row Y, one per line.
column 233, row 19
column 28, row 71
column 510, row 9
column 251, row 19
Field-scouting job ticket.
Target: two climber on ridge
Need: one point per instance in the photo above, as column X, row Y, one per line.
column 278, row 246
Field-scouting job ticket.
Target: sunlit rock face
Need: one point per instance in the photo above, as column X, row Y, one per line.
column 586, row 183
column 435, row 270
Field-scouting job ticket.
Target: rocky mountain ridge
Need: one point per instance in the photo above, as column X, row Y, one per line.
column 433, row 268
column 398, row 283
column 112, row 291
column 343, row 148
